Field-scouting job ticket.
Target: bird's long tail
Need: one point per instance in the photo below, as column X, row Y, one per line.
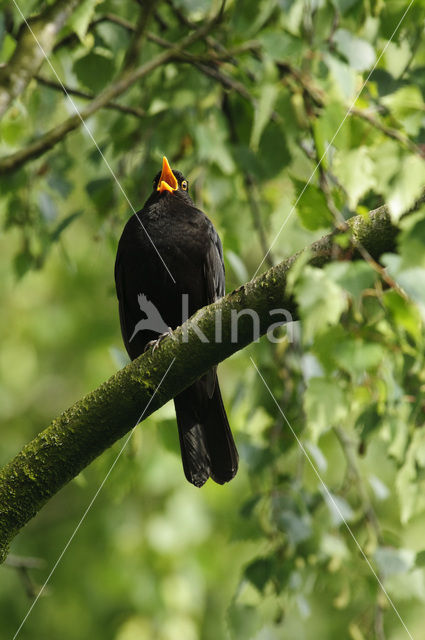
column 206, row 442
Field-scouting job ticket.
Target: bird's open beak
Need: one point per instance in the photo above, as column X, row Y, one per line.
column 167, row 181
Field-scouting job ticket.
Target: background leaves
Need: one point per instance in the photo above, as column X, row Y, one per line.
column 247, row 116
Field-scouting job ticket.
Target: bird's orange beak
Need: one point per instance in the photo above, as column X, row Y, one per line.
column 167, row 180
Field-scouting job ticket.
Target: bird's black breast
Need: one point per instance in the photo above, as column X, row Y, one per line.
column 167, row 250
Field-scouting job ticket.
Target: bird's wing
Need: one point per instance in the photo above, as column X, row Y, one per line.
column 119, row 284
column 214, row 278
column 214, row 269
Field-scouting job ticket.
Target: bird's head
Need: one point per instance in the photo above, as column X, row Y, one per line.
column 168, row 181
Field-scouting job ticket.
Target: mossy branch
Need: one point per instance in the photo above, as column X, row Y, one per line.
column 93, row 424
column 29, row 54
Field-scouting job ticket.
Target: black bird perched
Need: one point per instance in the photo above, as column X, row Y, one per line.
column 170, row 228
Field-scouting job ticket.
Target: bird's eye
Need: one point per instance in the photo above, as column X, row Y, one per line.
column 184, row 185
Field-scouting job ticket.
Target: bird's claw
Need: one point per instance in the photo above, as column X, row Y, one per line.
column 154, row 344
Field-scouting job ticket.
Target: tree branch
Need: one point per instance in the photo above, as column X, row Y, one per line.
column 387, row 131
column 94, row 423
column 208, row 66
column 127, row 79
column 318, row 99
column 85, row 95
column 28, row 55
column 133, row 52
column 51, row 138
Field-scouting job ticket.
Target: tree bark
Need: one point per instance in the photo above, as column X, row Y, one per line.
column 93, row 424
column 29, row 54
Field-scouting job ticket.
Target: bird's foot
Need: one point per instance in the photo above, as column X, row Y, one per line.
column 154, row 344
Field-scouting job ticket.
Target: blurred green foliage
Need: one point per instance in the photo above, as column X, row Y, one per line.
column 268, row 556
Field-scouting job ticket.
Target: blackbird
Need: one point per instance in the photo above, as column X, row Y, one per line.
column 169, row 255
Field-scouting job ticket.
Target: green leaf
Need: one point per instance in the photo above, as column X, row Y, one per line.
column 359, row 53
column 244, row 620
column 407, row 586
column 14, row 124
column 280, row 45
column 297, row 527
column 325, row 405
column 368, row 421
column 354, row 277
column 23, row 262
column 405, row 313
column 321, row 301
column 263, row 111
column 8, row 45
column 238, row 266
column 386, row 157
column 397, row 57
column 411, row 279
column 262, row 15
column 59, row 183
column 195, row 8
column 407, row 186
column 407, row 106
column 312, row 208
column 325, row 128
column 273, row 151
column 101, row 192
column 411, row 240
column 339, row 509
column 94, row 70
column 345, row 5
column 380, row 490
column 81, row 17
column 343, row 77
column 409, row 481
column 259, row 572
column 355, row 171
column 211, row 141
column 63, row 224
column 358, row 356
column 47, row 206
column 392, row 561
column 420, row 559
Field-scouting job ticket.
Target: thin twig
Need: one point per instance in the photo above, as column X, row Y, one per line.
column 202, row 62
column 184, row 21
column 318, row 98
column 354, row 473
column 339, row 220
column 22, row 565
column 85, row 95
column 413, row 51
column 388, row 131
column 379, row 620
column 257, row 218
column 72, row 38
column 19, row 562
column 133, row 52
column 355, row 477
